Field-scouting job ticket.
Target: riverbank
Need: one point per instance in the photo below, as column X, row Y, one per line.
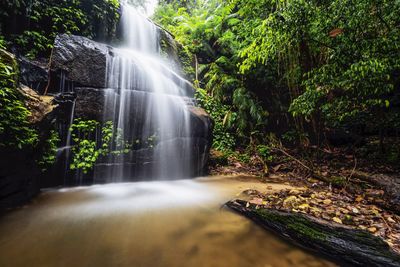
column 332, row 194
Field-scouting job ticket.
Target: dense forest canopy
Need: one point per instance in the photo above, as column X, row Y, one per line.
column 296, row 68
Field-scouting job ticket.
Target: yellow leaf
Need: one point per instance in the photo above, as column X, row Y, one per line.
column 359, row 198
column 304, row 206
column 337, row 220
column 327, row 201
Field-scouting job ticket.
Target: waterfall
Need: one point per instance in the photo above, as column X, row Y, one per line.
column 147, row 101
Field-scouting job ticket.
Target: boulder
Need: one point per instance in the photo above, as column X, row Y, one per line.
column 80, row 60
column 33, row 74
column 90, row 104
column 200, row 122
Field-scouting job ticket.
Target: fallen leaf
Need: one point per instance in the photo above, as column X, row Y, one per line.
column 327, row 201
column 337, row 220
column 359, row 198
column 355, row 210
column 277, row 167
column 389, row 219
column 372, row 229
column 304, row 206
column 290, row 200
column 257, row 201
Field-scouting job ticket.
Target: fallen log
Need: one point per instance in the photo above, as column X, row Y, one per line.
column 341, row 243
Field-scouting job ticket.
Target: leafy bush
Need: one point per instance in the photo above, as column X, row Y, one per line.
column 40, row 21
column 15, row 130
column 86, row 150
column 49, row 149
column 223, row 138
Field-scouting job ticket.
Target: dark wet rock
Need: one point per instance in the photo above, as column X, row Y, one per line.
column 341, row 243
column 169, row 48
column 65, row 103
column 80, row 62
column 33, row 74
column 201, row 122
column 19, row 177
column 141, row 164
column 80, row 59
column 90, row 104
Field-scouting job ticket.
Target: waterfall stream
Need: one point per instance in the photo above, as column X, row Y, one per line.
column 149, row 102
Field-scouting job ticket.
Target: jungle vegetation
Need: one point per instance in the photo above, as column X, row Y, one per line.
column 300, row 70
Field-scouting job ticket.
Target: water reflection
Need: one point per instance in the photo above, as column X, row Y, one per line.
column 175, row 223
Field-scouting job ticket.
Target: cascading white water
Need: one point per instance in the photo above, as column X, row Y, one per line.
column 149, row 105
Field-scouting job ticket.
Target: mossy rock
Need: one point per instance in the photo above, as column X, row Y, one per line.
column 341, row 243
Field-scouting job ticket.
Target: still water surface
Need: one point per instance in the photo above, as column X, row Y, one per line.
column 149, row 224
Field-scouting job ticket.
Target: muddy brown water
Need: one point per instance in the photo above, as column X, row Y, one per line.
column 149, row 224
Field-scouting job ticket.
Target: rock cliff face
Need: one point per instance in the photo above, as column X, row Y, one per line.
column 79, row 70
column 19, row 171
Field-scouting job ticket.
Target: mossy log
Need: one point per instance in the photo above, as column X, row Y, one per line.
column 341, row 243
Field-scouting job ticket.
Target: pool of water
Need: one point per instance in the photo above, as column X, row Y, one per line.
column 149, row 224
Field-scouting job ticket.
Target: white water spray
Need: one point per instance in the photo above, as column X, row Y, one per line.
column 149, row 104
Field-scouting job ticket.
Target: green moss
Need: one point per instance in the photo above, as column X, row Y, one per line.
column 186, row 59
column 338, row 181
column 294, row 223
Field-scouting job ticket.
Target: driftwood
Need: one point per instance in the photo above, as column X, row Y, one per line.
column 341, row 243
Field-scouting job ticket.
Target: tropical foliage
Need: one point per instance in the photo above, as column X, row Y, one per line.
column 32, row 25
column 15, row 130
column 306, row 66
